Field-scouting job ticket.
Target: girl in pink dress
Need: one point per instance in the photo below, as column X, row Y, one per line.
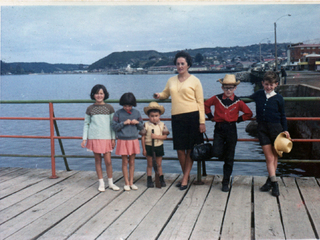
column 98, row 136
column 127, row 123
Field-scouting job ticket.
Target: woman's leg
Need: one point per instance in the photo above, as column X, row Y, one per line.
column 131, row 168
column 97, row 159
column 182, row 158
column 125, row 169
column 187, row 168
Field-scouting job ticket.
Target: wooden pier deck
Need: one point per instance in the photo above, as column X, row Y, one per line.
column 32, row 206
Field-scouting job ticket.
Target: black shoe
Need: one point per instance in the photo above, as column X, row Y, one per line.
column 183, row 187
column 178, row 184
column 163, row 184
column 149, row 182
column 275, row 189
column 267, row 186
column 225, row 188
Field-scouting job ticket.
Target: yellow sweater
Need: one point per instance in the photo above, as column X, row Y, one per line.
column 186, row 96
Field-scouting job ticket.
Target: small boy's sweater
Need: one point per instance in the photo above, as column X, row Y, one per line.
column 127, row 132
column 97, row 122
column 227, row 109
column 270, row 109
column 159, row 129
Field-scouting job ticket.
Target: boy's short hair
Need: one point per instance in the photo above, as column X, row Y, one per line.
column 128, row 99
column 270, row 76
column 229, row 85
column 153, row 110
column 96, row 89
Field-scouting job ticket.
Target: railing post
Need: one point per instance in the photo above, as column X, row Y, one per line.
column 53, row 161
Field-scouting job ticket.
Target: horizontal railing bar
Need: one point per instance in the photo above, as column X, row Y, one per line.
column 164, row 158
column 138, row 100
column 210, row 139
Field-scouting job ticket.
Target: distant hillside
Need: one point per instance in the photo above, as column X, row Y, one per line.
column 146, row 59
column 37, row 67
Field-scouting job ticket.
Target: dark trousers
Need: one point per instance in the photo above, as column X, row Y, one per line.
column 224, row 144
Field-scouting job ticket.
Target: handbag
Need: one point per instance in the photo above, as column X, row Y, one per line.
column 202, row 151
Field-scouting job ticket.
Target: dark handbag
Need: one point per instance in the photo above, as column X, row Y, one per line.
column 202, row 151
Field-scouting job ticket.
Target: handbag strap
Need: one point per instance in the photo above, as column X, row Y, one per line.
column 206, row 137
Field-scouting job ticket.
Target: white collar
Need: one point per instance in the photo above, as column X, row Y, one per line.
column 269, row 95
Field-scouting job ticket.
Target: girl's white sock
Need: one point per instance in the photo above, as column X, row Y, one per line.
column 101, row 185
column 111, row 185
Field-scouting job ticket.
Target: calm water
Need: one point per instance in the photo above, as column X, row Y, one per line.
column 65, row 87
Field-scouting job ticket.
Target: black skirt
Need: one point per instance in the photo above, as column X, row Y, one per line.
column 185, row 130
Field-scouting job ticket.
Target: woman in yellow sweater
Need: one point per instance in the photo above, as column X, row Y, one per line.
column 187, row 110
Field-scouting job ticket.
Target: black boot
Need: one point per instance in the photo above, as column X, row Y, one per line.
column 163, row 184
column 275, row 189
column 225, row 185
column 149, row 182
column 267, row 186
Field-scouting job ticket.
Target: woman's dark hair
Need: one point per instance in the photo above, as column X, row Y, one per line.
column 96, row 89
column 128, row 99
column 271, row 77
column 184, row 55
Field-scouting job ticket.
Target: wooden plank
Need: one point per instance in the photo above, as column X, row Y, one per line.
column 311, row 195
column 295, row 219
column 71, row 223
column 24, row 181
column 47, row 221
column 160, row 214
column 318, row 180
column 7, row 170
column 97, row 224
column 237, row 221
column 209, row 223
column 40, row 186
column 182, row 222
column 130, row 219
column 14, row 174
column 267, row 218
column 72, row 188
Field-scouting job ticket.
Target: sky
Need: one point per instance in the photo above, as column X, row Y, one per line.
column 83, row 34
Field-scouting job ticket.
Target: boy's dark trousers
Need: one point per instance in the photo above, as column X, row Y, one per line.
column 224, row 143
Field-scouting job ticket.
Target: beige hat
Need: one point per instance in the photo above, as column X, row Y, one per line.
column 229, row 79
column 282, row 144
column 153, row 105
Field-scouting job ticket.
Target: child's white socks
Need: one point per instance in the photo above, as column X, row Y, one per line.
column 112, row 186
column 101, row 185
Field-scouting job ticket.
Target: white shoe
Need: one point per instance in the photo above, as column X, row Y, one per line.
column 114, row 187
column 133, row 187
column 101, row 188
column 126, row 187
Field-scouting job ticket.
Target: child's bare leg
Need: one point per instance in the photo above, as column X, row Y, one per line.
column 125, row 169
column 107, row 161
column 131, row 168
column 97, row 159
column 271, row 159
column 159, row 164
column 149, row 165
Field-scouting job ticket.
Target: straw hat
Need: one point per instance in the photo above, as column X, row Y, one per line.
column 282, row 144
column 229, row 79
column 153, row 105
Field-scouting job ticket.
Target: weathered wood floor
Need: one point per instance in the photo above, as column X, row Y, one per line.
column 32, row 206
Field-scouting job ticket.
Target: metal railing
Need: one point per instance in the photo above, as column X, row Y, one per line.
column 54, row 127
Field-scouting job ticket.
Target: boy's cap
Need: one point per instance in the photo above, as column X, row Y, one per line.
column 229, row 79
column 154, row 105
column 282, row 144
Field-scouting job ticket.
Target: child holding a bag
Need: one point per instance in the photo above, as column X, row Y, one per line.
column 226, row 114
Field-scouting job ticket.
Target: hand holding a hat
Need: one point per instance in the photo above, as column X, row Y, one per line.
column 283, row 143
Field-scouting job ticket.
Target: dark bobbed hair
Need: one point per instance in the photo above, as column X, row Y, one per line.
column 185, row 55
column 128, row 99
column 96, row 89
column 153, row 110
column 271, row 77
